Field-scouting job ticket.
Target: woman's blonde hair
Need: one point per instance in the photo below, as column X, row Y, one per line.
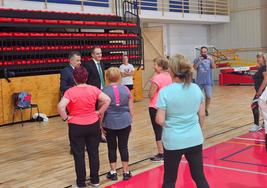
column 181, row 68
column 162, row 62
column 113, row 74
column 263, row 55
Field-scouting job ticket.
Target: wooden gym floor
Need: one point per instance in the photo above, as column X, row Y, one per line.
column 37, row 155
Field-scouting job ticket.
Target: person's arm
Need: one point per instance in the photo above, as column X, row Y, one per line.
column 152, row 90
column 160, row 117
column 263, row 84
column 64, row 82
column 104, row 102
column 197, row 61
column 201, row 114
column 61, row 108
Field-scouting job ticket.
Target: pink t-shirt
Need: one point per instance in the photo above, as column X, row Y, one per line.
column 161, row 80
column 82, row 105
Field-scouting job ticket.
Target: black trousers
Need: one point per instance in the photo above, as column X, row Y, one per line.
column 118, row 138
column 172, row 160
column 255, row 110
column 156, row 127
column 130, row 87
column 89, row 136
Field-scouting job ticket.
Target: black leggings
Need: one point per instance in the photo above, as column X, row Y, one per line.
column 89, row 136
column 123, row 136
column 172, row 160
column 255, row 110
column 156, row 127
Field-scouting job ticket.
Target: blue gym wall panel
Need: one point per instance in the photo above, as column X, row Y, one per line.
column 97, row 3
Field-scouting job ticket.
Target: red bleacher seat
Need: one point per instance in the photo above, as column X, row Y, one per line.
column 101, row 34
column 77, row 22
column 17, row 34
column 90, row 34
column 100, row 23
column 89, row 23
column 36, row 21
column 51, row 34
column 122, row 24
column 78, row 34
column 113, row 34
column 4, row 34
column 51, row 21
column 64, row 21
column 20, row 20
column 36, row 34
column 5, row 19
column 65, row 34
column 131, row 24
column 112, row 23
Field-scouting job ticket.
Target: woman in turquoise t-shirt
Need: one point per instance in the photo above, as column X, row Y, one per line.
column 181, row 112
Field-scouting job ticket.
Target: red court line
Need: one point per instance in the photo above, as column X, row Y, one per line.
column 237, row 163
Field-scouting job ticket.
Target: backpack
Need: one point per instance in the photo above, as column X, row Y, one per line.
column 23, row 100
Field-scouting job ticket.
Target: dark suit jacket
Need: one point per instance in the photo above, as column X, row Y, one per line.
column 66, row 79
column 93, row 75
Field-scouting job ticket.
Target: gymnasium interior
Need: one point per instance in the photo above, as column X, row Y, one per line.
column 36, row 37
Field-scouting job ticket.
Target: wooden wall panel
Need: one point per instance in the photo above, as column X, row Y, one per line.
column 1, row 104
column 44, row 90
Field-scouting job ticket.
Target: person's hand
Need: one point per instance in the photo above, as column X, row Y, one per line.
column 99, row 114
column 258, row 93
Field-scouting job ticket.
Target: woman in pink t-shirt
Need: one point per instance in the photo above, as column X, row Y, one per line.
column 84, row 126
column 161, row 79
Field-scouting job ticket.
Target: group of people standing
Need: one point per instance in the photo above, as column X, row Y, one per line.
column 93, row 106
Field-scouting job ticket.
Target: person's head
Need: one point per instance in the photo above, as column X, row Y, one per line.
column 96, row 53
column 181, row 68
column 113, row 75
column 261, row 58
column 204, row 52
column 160, row 64
column 75, row 58
column 125, row 59
column 80, row 75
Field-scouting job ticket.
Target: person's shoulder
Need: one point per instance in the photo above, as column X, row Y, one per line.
column 65, row 69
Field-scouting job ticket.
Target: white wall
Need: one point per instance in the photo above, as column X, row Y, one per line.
column 246, row 29
column 183, row 38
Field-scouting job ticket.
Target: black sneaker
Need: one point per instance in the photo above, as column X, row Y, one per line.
column 157, row 158
column 127, row 176
column 112, row 177
column 207, row 113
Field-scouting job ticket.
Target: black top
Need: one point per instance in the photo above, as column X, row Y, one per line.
column 93, row 75
column 258, row 77
column 66, row 79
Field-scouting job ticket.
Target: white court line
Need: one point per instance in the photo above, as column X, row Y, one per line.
column 251, row 139
column 232, row 169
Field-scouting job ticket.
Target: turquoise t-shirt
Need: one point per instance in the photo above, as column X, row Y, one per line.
column 181, row 129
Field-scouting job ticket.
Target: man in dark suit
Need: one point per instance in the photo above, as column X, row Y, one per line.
column 66, row 77
column 95, row 69
column 96, row 72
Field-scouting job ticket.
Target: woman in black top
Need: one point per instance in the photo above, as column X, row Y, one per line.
column 260, row 82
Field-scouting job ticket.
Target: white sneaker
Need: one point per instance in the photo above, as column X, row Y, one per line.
column 94, row 184
column 255, row 128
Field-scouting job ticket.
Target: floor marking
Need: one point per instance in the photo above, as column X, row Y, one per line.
column 232, row 169
column 250, row 139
